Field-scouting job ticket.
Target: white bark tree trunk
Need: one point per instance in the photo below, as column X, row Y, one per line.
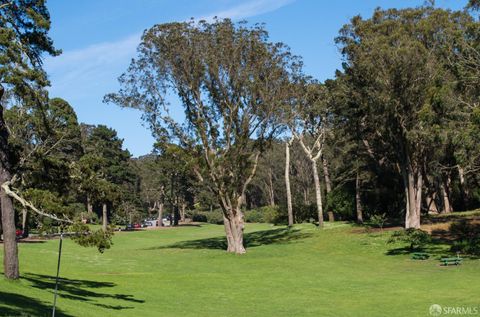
column 160, row 213
column 463, row 187
column 287, row 184
column 318, row 193
column 447, row 207
column 104, row 217
column 271, row 189
column 24, row 219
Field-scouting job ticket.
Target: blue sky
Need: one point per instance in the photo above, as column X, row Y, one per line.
column 99, row 38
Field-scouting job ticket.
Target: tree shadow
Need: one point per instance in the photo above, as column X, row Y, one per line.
column 80, row 290
column 436, row 251
column 253, row 239
column 20, row 305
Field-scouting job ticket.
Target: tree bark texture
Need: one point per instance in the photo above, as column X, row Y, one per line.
column 287, row 184
column 104, row 217
column 318, row 193
column 10, row 250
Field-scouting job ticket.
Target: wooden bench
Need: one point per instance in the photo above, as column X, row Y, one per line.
column 420, row 256
column 451, row 261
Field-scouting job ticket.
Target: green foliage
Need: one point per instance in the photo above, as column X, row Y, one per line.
column 214, row 217
column 342, row 202
column 266, row 214
column 467, row 237
column 305, row 213
column 85, row 237
column 378, row 220
column 416, row 238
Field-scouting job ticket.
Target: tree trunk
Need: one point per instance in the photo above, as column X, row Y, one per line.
column 89, row 207
column 413, row 182
column 318, row 193
column 182, row 211
column 358, row 199
column 104, row 217
column 160, row 213
column 326, row 174
column 234, row 226
column 271, row 188
column 24, row 220
column 447, row 207
column 305, row 197
column 10, row 249
column 287, row 184
column 176, row 213
column 431, row 204
column 328, row 186
column 463, row 187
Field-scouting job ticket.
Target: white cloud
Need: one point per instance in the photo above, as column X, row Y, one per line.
column 248, row 9
column 83, row 76
column 105, row 59
column 90, row 64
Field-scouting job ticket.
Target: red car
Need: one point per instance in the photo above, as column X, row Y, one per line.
column 19, row 233
column 137, row 226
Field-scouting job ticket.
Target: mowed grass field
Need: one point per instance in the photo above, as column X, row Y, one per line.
column 338, row 271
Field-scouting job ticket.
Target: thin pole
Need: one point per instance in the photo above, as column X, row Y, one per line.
column 58, row 272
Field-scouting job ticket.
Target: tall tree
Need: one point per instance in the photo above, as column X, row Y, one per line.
column 24, row 26
column 105, row 172
column 395, row 63
column 231, row 83
column 309, row 127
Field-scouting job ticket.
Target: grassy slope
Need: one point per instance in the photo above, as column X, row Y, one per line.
column 305, row 273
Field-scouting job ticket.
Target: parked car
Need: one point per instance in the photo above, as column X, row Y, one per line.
column 129, row 227
column 20, row 234
column 137, row 226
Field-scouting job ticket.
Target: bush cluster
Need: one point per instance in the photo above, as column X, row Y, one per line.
column 467, row 237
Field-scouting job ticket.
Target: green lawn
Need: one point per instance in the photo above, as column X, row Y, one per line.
column 185, row 272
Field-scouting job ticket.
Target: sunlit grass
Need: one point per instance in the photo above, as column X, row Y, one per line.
column 184, row 272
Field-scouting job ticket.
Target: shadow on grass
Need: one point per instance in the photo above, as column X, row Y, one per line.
column 20, row 305
column 253, row 239
column 81, row 290
column 438, row 248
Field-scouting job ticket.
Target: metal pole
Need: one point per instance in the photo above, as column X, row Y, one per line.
column 58, row 272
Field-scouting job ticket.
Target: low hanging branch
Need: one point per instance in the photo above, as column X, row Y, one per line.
column 10, row 192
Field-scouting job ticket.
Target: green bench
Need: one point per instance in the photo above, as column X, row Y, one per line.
column 451, row 261
column 420, row 256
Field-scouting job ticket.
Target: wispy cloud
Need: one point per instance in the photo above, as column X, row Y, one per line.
column 84, row 75
column 91, row 64
column 249, row 9
column 101, row 59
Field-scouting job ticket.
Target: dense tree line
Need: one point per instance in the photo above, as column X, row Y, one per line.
column 395, row 132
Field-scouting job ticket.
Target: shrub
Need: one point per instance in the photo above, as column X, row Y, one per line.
column 266, row 214
column 305, row 213
column 214, row 216
column 342, row 203
column 254, row 215
column 467, row 237
column 378, row 220
column 417, row 238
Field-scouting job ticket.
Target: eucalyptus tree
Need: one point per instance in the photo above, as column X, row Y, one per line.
column 396, row 64
column 230, row 81
column 309, row 126
column 23, row 41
